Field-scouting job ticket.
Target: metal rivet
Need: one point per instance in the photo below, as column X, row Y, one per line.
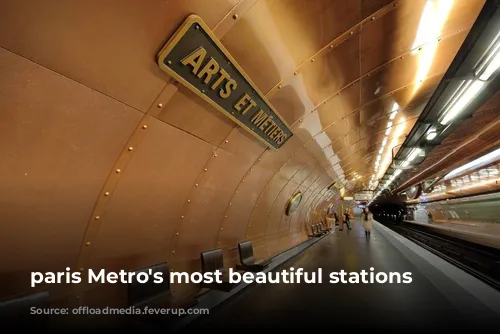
column 189, row 201
column 221, row 229
column 177, row 233
column 243, row 180
column 312, row 60
column 373, row 18
column 230, row 203
column 87, row 243
column 81, row 269
column 206, row 169
column 295, row 73
column 118, row 171
column 227, row 141
column 225, row 216
column 169, row 63
column 352, row 32
column 160, row 105
column 173, row 290
column 235, row 16
column 130, row 148
column 251, row 169
column 197, row 27
column 279, row 87
column 106, row 193
column 182, row 217
column 144, row 126
column 97, row 218
column 203, row 91
column 236, row 192
column 331, row 46
column 173, row 252
column 77, row 297
column 196, row 185
column 258, row 159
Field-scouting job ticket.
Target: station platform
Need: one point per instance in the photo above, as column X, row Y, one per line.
column 440, row 296
column 487, row 234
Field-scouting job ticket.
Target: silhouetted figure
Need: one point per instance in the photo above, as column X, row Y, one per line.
column 367, row 222
column 336, row 217
column 347, row 220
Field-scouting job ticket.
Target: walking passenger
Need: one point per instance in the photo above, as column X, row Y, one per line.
column 367, row 222
column 347, row 220
column 336, row 217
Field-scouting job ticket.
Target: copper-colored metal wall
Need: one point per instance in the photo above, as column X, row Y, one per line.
column 107, row 163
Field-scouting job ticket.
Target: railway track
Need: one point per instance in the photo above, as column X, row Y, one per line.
column 478, row 260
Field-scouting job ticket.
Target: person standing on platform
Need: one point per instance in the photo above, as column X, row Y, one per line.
column 336, row 217
column 367, row 222
column 347, row 219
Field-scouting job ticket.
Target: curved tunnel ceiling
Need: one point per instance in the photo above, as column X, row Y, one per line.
column 131, row 169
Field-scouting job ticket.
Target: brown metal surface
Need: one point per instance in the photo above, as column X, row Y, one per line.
column 116, row 166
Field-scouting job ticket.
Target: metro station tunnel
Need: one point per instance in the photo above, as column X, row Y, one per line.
column 249, row 165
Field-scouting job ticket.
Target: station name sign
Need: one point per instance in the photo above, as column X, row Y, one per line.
column 197, row 59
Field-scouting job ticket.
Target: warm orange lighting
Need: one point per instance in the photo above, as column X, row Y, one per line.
column 425, row 45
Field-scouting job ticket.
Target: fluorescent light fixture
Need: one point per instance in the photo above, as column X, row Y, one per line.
column 480, row 162
column 395, row 107
column 431, row 135
column 413, row 154
column 492, row 61
column 381, row 151
column 397, row 172
column 348, row 198
column 472, row 87
column 492, row 67
column 389, row 124
column 387, row 131
column 384, row 142
column 393, row 115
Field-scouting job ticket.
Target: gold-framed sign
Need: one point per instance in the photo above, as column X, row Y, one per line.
column 198, row 60
column 293, row 203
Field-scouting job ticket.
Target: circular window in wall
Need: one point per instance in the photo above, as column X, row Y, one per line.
column 293, row 203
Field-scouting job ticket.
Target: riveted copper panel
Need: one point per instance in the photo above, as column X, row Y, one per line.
column 402, row 72
column 274, row 160
column 203, row 121
column 260, row 214
column 313, row 84
column 138, row 225
column 282, row 35
column 242, row 144
column 114, row 52
column 279, row 205
column 203, row 215
column 51, row 171
column 295, row 163
column 237, row 215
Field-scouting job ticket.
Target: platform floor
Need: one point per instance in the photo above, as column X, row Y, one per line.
column 422, row 306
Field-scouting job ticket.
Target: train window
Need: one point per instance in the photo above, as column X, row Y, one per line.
column 483, row 173
column 492, row 171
